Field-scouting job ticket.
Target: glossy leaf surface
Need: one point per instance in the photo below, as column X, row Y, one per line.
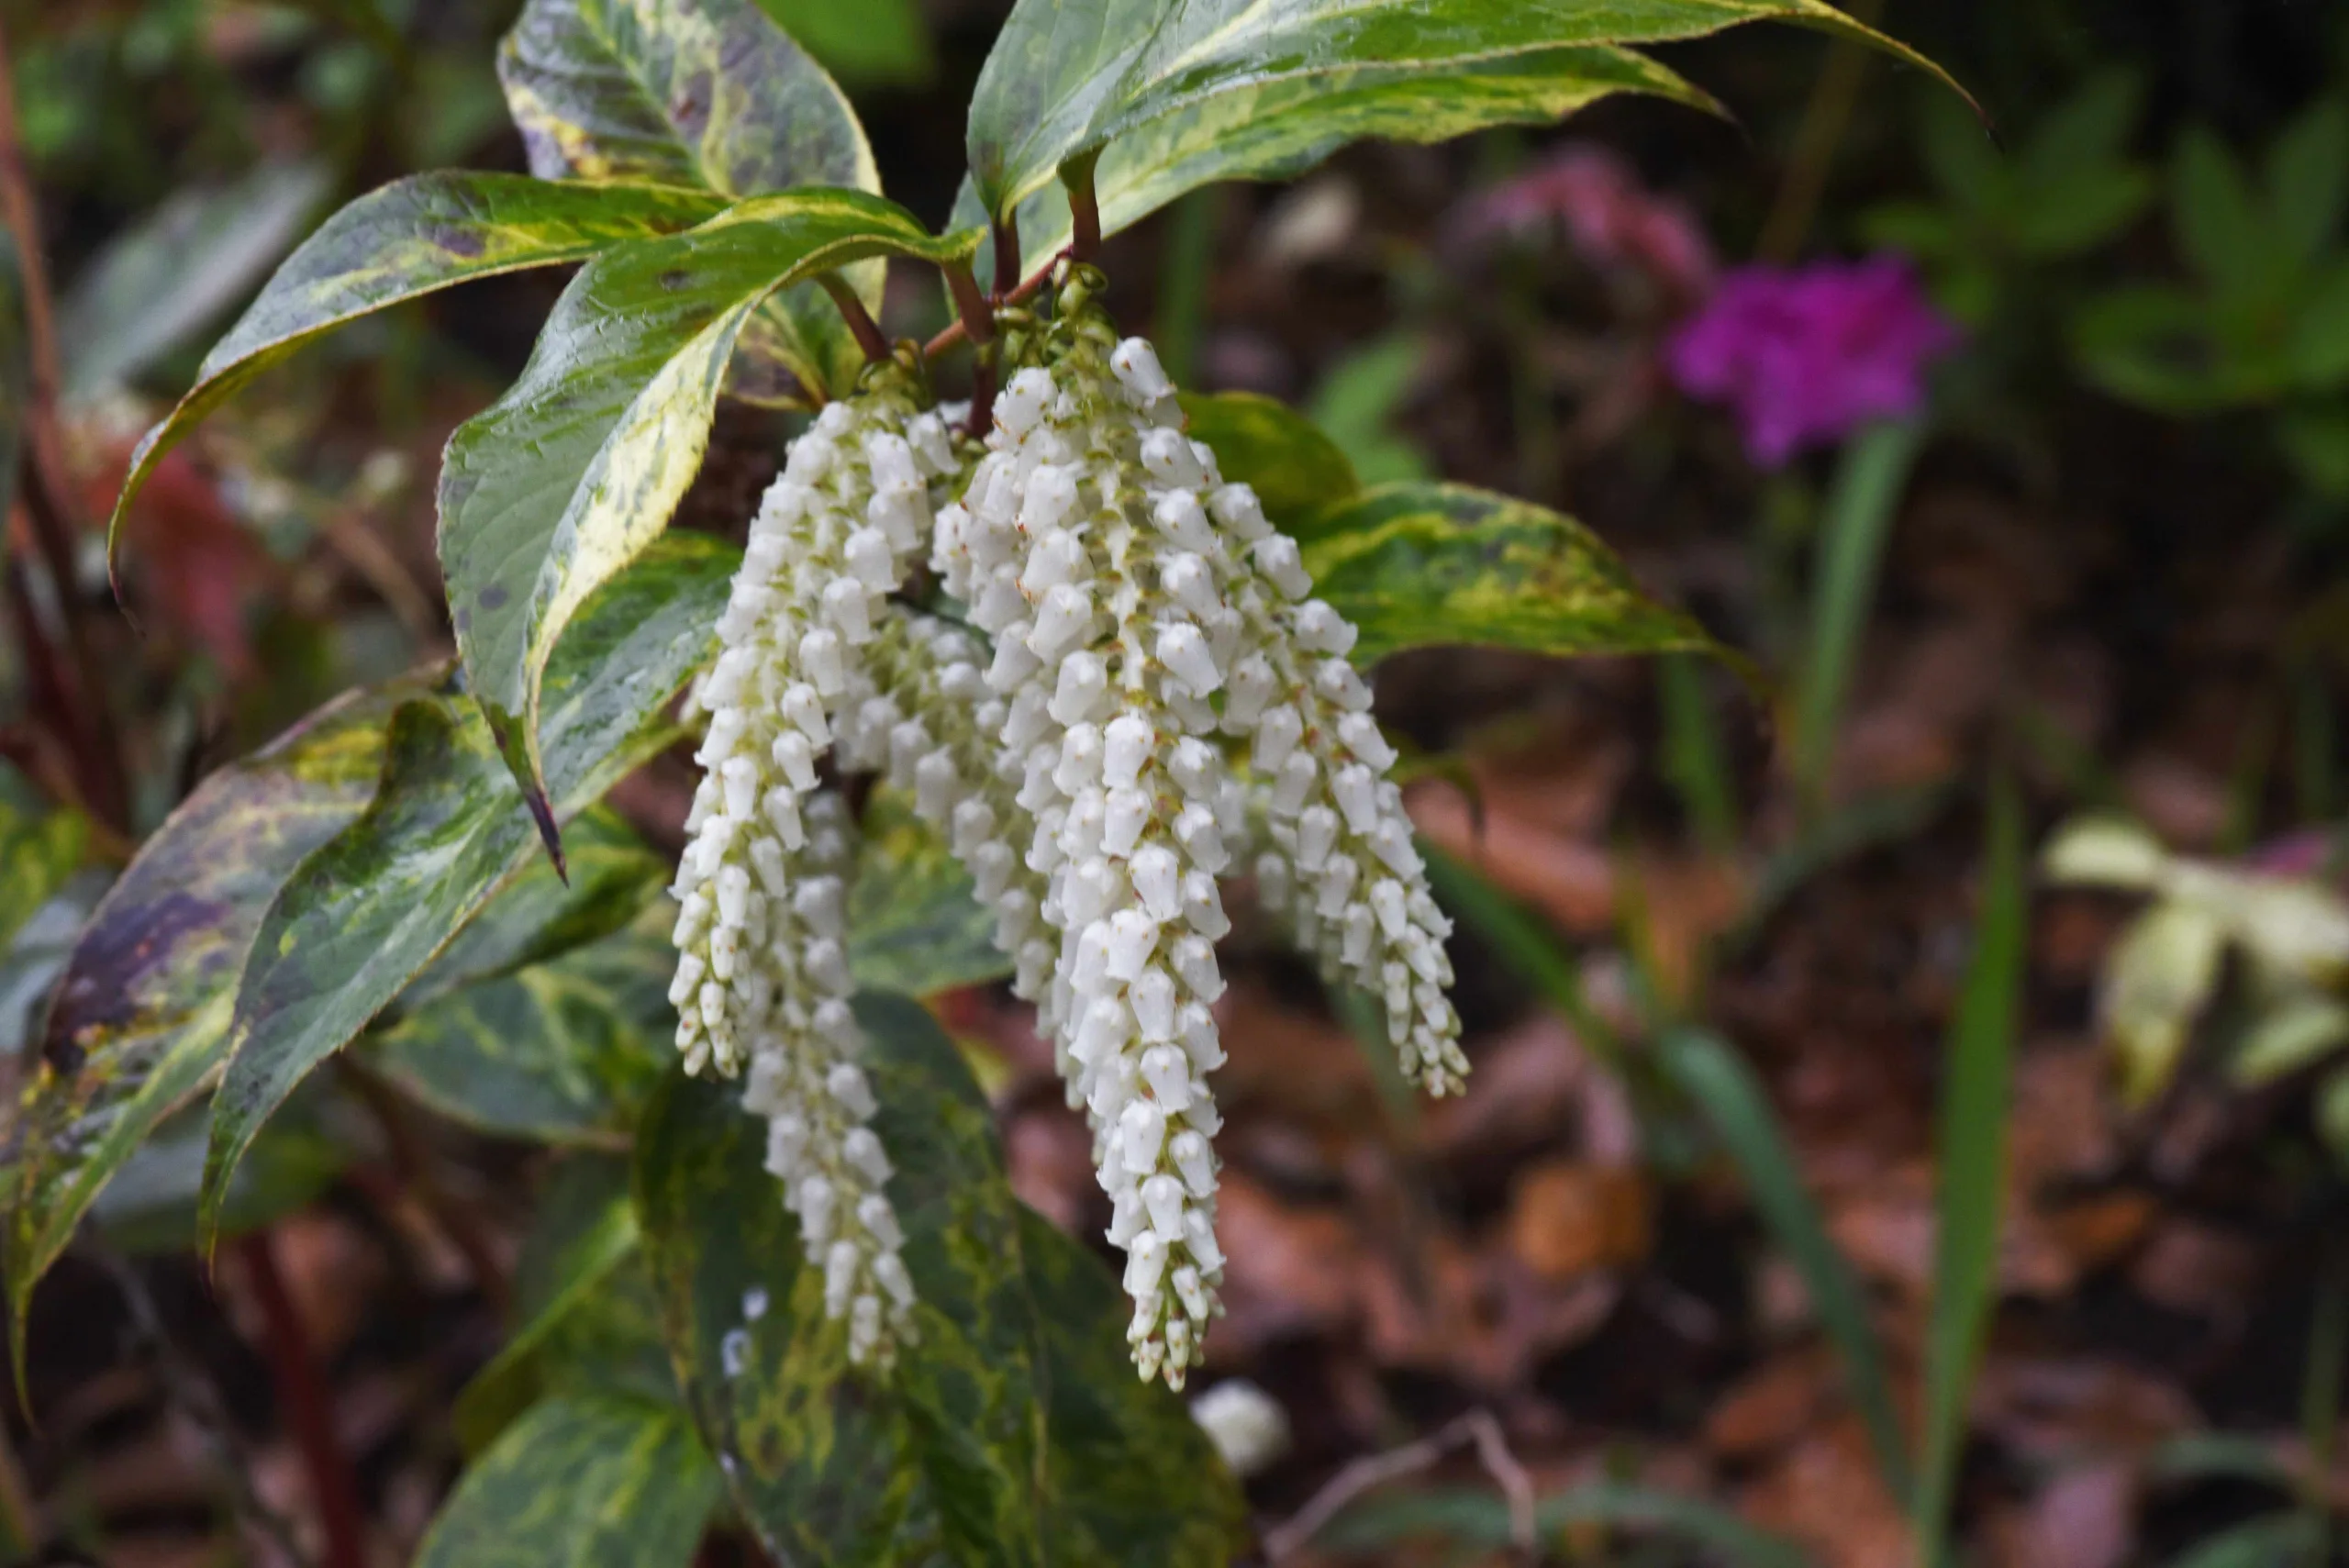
column 368, row 910
column 564, row 1051
column 1416, row 565
column 1069, row 77
column 567, row 478
column 580, row 1482
column 706, row 94
column 411, row 238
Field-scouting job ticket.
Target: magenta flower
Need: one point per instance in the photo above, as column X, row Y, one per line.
column 1807, row 356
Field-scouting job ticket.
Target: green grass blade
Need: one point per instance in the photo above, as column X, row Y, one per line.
column 1726, row 1092
column 1977, row 1076
column 1860, row 509
column 1480, row 1519
column 1525, row 945
column 1693, row 761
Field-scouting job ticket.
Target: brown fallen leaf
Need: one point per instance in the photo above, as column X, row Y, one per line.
column 1567, row 1218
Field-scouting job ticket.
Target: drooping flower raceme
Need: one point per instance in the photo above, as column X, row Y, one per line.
column 1083, row 547
column 763, row 973
column 1136, row 611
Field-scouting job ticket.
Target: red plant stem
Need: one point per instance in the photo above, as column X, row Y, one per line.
column 866, row 332
column 309, row 1410
column 1085, row 211
column 957, row 331
column 45, row 480
column 978, row 325
column 412, row 1164
column 1007, row 252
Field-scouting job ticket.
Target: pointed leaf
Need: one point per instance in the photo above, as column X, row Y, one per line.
column 1262, row 442
column 1279, row 128
column 702, row 93
column 140, row 1019
column 411, row 238
column 39, row 850
column 160, row 283
column 1414, row 564
column 577, row 469
column 369, row 909
column 613, row 874
column 1068, row 77
column 582, row 1482
column 588, row 1320
column 836, row 1464
column 1133, row 1478
column 564, row 1051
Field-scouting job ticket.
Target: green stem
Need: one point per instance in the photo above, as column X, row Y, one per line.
column 1860, row 508
column 1692, row 753
column 2320, row 1396
column 1182, row 280
column 1813, row 156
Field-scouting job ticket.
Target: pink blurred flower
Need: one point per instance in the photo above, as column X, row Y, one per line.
column 1805, row 356
column 1610, row 218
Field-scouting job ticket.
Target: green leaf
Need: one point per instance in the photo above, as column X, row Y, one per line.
column 1278, row 128
column 1133, row 1480
column 1971, row 1149
column 589, row 1321
column 369, row 909
column 709, row 93
column 150, row 1206
column 916, row 925
column 1020, row 1333
column 1960, row 155
column 827, row 1463
column 2297, row 1033
column 873, row 43
column 39, row 849
column 563, row 1052
column 2307, row 179
column 2152, row 344
column 1264, row 443
column 2218, row 226
column 1724, row 1090
column 160, row 283
column 2319, row 339
column 819, row 1461
column 140, row 1018
column 1871, row 477
column 1481, row 1519
column 577, row 469
column 1416, row 565
column 2157, row 978
column 409, row 239
column 611, row 875
column 581, row 1483
column 1358, row 399
column 1067, row 78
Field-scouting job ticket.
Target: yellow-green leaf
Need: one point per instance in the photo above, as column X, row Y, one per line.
column 577, row 469
column 411, row 238
column 1414, row 564
column 1262, row 442
column 709, row 93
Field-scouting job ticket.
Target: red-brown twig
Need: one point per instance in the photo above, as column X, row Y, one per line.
column 958, row 329
column 308, row 1406
column 412, row 1163
column 46, row 481
column 1477, row 1429
column 860, row 324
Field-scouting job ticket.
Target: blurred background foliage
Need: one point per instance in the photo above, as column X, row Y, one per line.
column 1814, row 1176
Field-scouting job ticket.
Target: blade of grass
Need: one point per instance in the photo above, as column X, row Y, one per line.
column 1692, row 753
column 1480, row 1519
column 1725, row 1091
column 1522, row 943
column 2320, row 1396
column 1183, row 268
column 1860, row 508
column 1978, row 1074
column 2255, row 1543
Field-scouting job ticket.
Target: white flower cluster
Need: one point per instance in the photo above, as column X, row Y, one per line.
column 1136, row 609
column 762, row 972
column 1084, row 546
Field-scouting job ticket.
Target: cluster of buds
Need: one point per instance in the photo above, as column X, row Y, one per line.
column 763, row 972
column 1156, row 698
